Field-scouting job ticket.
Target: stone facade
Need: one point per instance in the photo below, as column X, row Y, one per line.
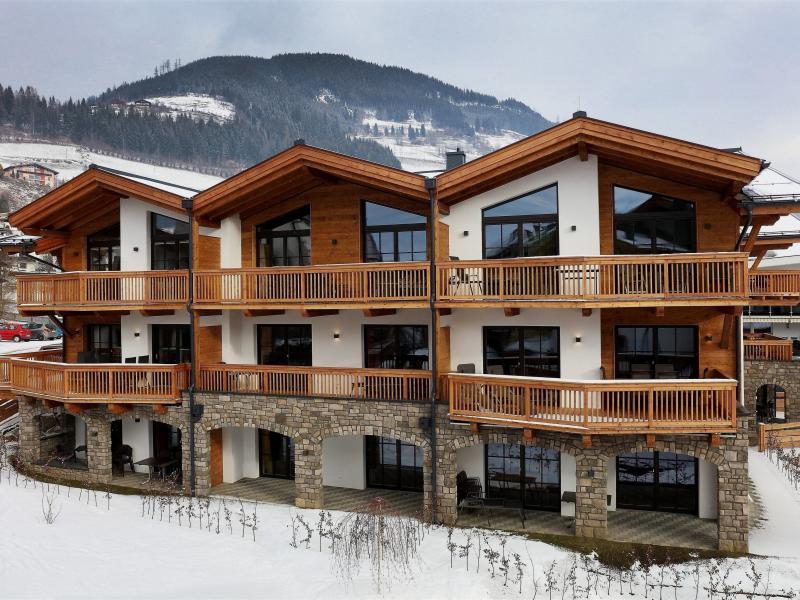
column 309, row 421
column 785, row 374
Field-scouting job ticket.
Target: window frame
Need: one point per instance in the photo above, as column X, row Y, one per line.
column 366, row 230
column 695, row 336
column 266, row 231
column 397, row 328
column 91, row 328
column 173, row 239
column 519, row 220
column 108, row 246
column 521, row 340
column 285, row 327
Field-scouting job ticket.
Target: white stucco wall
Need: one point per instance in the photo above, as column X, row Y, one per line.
column 134, row 219
column 344, row 462
column 568, row 482
column 611, row 485
column 139, row 436
column 708, row 492
column 133, row 323
column 578, row 206
column 578, row 360
column 472, row 460
column 231, row 243
column 239, row 453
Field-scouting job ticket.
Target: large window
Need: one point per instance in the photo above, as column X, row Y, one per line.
column 526, row 351
column 393, row 464
column 105, row 340
column 524, row 475
column 286, row 241
column 523, row 226
column 648, row 223
column 284, row 345
column 169, row 243
column 396, row 346
column 171, row 344
column 657, row 481
column 103, row 249
column 656, row 352
column 276, row 455
column 392, row 235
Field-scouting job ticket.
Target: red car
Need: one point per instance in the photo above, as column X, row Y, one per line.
column 16, row 332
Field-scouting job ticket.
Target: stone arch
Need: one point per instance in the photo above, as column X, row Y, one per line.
column 494, row 436
column 404, row 435
column 251, row 421
column 697, row 449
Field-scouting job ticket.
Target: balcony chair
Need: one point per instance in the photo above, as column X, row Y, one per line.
column 666, row 372
column 460, row 277
column 87, row 357
column 123, row 456
column 465, row 368
column 640, row 371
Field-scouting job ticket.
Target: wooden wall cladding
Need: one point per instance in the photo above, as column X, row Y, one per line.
column 79, row 324
column 215, row 463
column 208, row 342
column 206, row 249
column 717, row 224
column 336, row 211
column 709, row 322
column 74, row 256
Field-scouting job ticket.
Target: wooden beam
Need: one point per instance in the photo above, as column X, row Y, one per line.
column 443, row 312
column 379, row 312
column 762, row 252
column 511, row 312
column 713, row 440
column 586, row 312
column 50, row 403
column 55, row 320
column 727, row 332
column 752, row 236
column 529, row 435
column 207, row 312
column 153, row 312
column 475, row 428
column 650, row 439
column 587, row 441
column 736, row 311
column 318, row 313
column 74, row 408
column 159, row 409
column 118, row 409
column 658, row 311
column 262, row 312
column 583, row 151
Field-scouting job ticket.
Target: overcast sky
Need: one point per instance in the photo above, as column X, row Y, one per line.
column 723, row 74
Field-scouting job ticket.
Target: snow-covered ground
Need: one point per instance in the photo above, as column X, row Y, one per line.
column 197, row 106
column 93, row 551
column 72, row 160
column 17, row 347
column 780, row 533
column 428, row 153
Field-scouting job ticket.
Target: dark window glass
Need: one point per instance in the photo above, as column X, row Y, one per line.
column 171, row 344
column 169, row 243
column 103, row 249
column 393, row 464
column 284, row 345
column 523, row 226
column 648, row 223
column 656, row 352
column 285, row 242
column 524, row 475
column 392, row 235
column 396, row 346
column 276, row 455
column 657, row 481
column 106, row 342
column 526, row 351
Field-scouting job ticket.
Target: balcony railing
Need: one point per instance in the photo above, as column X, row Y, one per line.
column 595, row 407
column 768, row 348
column 41, row 355
column 73, row 290
column 361, row 284
column 625, row 279
column 775, row 284
column 317, row 382
column 98, row 383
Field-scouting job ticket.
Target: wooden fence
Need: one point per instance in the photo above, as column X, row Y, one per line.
column 778, row 435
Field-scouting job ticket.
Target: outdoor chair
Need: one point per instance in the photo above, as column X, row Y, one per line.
column 123, row 456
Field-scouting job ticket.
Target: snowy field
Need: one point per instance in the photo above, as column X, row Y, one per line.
column 102, row 547
column 197, row 106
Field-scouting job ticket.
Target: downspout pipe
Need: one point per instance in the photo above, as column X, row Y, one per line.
column 738, row 321
column 187, row 205
column 430, row 185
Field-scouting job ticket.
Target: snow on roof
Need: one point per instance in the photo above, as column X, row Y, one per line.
column 771, row 182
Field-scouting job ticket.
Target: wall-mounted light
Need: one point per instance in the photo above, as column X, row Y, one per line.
column 577, row 339
column 574, row 228
column 465, row 233
column 334, row 242
column 336, row 336
column 136, row 248
column 709, row 338
column 137, row 333
column 137, row 420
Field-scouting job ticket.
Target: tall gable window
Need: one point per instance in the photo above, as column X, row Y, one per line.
column 523, row 226
column 392, row 235
column 169, row 240
column 286, row 241
column 103, row 249
column 648, row 223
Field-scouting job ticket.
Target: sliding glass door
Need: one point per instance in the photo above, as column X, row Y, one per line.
column 524, row 476
column 393, row 464
column 526, row 351
column 645, row 352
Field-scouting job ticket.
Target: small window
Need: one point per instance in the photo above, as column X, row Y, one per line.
column 103, row 249
column 647, row 223
column 286, row 241
column 393, row 235
column 523, row 226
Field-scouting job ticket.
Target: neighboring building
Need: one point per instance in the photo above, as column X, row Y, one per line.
column 32, row 173
column 581, row 327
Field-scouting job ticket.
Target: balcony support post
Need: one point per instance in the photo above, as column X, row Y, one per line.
column 433, row 225
column 187, row 205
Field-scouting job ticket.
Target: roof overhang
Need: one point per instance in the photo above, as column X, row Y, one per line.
column 298, row 170
column 679, row 160
column 773, row 241
column 81, row 200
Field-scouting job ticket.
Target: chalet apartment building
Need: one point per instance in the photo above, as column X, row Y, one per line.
column 575, row 313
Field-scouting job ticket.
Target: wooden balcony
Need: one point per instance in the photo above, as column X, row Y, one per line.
column 761, row 346
column 5, row 367
column 604, row 407
column 603, row 281
column 96, row 383
column 106, row 290
column 360, row 285
column 394, row 385
column 770, row 287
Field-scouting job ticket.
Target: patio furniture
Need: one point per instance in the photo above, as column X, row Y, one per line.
column 474, row 499
column 666, row 372
column 570, row 497
column 123, row 456
column 465, row 368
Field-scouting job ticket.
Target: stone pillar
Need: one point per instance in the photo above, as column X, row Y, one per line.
column 447, row 493
column 30, row 444
column 733, row 518
column 98, row 448
column 202, row 461
column 308, row 473
column 591, row 508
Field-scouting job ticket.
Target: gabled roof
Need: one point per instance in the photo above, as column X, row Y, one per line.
column 53, row 171
column 91, row 194
column 680, row 160
column 297, row 170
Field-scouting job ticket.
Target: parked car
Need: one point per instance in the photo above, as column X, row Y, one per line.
column 57, row 333
column 16, row 332
column 39, row 332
